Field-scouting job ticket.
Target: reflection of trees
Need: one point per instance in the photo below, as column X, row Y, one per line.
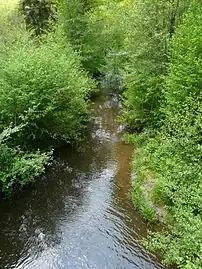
column 122, row 190
column 132, row 225
column 35, row 214
column 107, row 109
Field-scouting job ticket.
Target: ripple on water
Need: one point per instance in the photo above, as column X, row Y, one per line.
column 80, row 215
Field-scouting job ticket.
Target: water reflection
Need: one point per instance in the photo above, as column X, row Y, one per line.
column 79, row 215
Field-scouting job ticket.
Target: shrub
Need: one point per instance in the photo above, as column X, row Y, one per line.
column 150, row 26
column 18, row 168
column 38, row 14
column 43, row 86
column 43, row 93
column 176, row 153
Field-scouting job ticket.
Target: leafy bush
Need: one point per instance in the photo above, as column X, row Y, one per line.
column 96, row 30
column 103, row 41
column 21, row 170
column 44, row 93
column 43, row 86
column 38, row 14
column 150, row 26
column 18, row 168
column 175, row 153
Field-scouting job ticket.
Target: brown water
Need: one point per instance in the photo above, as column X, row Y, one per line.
column 80, row 214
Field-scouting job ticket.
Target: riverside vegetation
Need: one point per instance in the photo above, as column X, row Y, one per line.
column 148, row 50
column 44, row 97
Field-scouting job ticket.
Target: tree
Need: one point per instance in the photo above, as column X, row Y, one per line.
column 38, row 14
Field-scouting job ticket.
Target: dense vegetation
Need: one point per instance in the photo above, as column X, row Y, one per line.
column 175, row 152
column 43, row 99
column 151, row 51
column 163, row 101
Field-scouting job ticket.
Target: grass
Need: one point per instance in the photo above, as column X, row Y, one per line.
column 142, row 204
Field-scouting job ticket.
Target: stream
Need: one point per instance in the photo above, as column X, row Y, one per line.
column 80, row 214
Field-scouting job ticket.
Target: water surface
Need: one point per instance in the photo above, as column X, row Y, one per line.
column 80, row 214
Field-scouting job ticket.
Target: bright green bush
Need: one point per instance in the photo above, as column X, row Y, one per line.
column 44, row 90
column 19, row 170
column 43, row 86
column 17, row 167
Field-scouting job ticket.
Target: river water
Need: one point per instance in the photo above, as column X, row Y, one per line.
column 80, row 214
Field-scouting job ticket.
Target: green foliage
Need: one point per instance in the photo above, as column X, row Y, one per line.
column 21, row 170
column 175, row 153
column 95, row 30
column 38, row 14
column 44, row 97
column 18, row 168
column 149, row 31
column 103, row 43
column 74, row 19
column 43, row 86
column 141, row 203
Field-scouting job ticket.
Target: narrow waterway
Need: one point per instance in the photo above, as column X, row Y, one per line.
column 80, row 214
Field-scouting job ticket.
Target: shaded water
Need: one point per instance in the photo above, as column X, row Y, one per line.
column 80, row 214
